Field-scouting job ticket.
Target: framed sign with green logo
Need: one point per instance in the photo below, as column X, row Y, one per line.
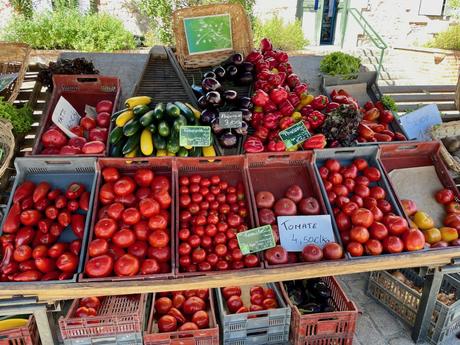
column 296, row 134
column 196, row 136
column 208, row 34
column 256, row 240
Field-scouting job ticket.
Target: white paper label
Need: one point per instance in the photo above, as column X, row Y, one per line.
column 298, row 231
column 65, row 117
column 418, row 123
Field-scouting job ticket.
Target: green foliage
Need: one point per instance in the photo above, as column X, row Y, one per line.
column 59, row 5
column 449, row 39
column 283, row 36
column 23, row 7
column 338, row 63
column 389, row 103
column 160, row 12
column 454, row 4
column 69, row 29
column 21, row 118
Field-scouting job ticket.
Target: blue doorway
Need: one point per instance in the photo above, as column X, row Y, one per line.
column 328, row 21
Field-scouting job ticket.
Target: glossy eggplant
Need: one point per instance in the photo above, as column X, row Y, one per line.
column 230, row 96
column 247, row 66
column 213, row 98
column 228, row 140
column 209, row 116
column 210, row 84
column 243, row 130
column 219, row 71
column 232, row 72
column 202, row 102
column 247, row 114
column 245, row 79
column 209, row 74
column 245, row 103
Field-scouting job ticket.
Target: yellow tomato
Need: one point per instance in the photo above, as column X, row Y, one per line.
column 423, row 220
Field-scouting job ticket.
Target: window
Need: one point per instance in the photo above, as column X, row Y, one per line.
column 431, row 7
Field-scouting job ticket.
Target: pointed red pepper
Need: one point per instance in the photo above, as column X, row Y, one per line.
column 317, row 141
column 286, row 108
column 319, row 102
column 253, row 145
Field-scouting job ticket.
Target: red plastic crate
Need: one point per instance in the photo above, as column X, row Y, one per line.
column 161, row 166
column 333, row 328
column 116, row 315
column 230, row 168
column 27, row 335
column 208, row 336
column 79, row 90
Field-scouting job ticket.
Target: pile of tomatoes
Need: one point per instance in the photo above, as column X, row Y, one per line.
column 261, row 299
column 364, row 217
column 131, row 234
column 212, row 212
column 182, row 310
column 39, row 214
column 88, row 306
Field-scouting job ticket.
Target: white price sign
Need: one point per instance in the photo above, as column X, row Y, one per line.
column 65, row 116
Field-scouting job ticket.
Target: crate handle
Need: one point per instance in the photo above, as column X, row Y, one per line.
column 286, row 156
column 257, row 332
column 407, row 147
column 58, row 162
column 88, row 80
column 214, row 161
column 345, row 151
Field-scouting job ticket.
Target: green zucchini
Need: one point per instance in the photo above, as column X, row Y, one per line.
column 179, row 122
column 131, row 127
column 147, row 118
column 186, row 111
column 140, row 110
column 159, row 142
column 158, row 111
column 132, row 143
column 172, row 110
column 116, row 135
column 163, row 129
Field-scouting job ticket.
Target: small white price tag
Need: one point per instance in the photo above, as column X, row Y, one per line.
column 65, row 116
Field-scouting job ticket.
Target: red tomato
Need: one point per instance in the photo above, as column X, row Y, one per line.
column 124, row 186
column 162, row 254
column 138, row 249
column 201, row 319
column 332, row 165
column 256, row 289
column 164, row 199
column 378, row 231
column 100, row 266
column 126, row 266
column 251, row 260
column 158, row 222
column 355, row 249
column 373, row 247
column 160, row 183
column 332, row 251
column 384, row 205
column 90, row 302
column 167, row 323
column 362, row 180
column 362, row 217
column 110, row 174
column 124, row 238
column 131, row 216
column 141, row 230
column 57, row 250
column 335, row 178
column 22, row 253
column 378, row 192
column 359, row 234
column 340, row 190
column 378, row 214
column 396, row 225
column 357, row 199
column 323, row 172
column 269, row 303
column 198, row 255
column 115, row 210
column 40, row 251
column 67, row 263
column 158, row 238
column 144, row 177
column 193, row 304
column 414, row 240
column 45, row 265
column 234, row 303
column 393, row 244
column 163, row 305
column 115, row 252
column 30, row 217
column 343, row 221
column 26, row 276
column 222, row 265
column 445, row 196
column 349, row 208
column 227, row 292
column 75, row 247
column 360, row 164
column 257, row 299
column 361, row 190
column 105, row 228
column 149, row 266
column 372, row 173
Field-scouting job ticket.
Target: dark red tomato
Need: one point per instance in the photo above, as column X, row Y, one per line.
column 184, row 181
column 372, row 173
column 115, row 252
column 67, row 263
column 75, row 247
column 131, row 216
column 144, row 177
column 227, row 292
column 167, row 323
column 343, row 222
column 193, row 304
column 220, row 249
column 205, row 182
column 359, row 234
column 184, row 234
column 361, row 190
column 222, row 265
column 30, row 217
column 204, row 266
column 124, row 186
column 124, row 238
column 25, row 235
column 100, row 266
column 384, row 205
column 184, row 248
column 27, row 265
column 110, row 174
column 198, row 255
column 22, row 253
column 127, row 265
column 105, row 228
column 98, row 247
column 57, row 250
column 143, row 192
column 369, row 202
column 256, row 289
column 141, row 230
column 162, row 255
column 160, row 183
column 349, row 184
column 185, row 261
column 150, row 266
column 269, row 303
column 158, row 238
column 323, row 172
column 220, row 238
column 251, row 260
column 158, row 222
column 45, row 265
column 53, row 275
column 378, row 192
column 138, row 249
column 350, row 172
column 194, row 240
column 332, row 165
column 40, row 251
column 212, row 258
column 115, row 210
column 184, row 200
column 26, row 276
column 234, row 303
column 164, row 199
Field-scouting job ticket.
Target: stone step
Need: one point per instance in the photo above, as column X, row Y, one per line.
column 417, row 89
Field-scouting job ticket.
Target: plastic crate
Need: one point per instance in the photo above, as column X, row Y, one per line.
column 346, row 156
column 232, row 169
column 373, row 94
column 330, row 328
column 207, row 336
column 120, row 320
column 161, row 166
column 403, row 301
column 79, row 90
column 59, row 172
column 27, row 335
column 255, row 327
column 275, row 172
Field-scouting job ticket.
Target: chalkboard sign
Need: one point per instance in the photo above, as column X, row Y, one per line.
column 296, row 134
column 196, row 136
column 230, row 119
column 298, row 231
column 208, row 34
column 256, row 240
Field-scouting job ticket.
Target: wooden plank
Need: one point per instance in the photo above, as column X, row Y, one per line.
column 410, row 107
column 54, row 292
column 389, row 89
column 427, row 97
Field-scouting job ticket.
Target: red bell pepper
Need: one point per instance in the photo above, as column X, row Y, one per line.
column 277, row 79
column 286, row 122
column 263, row 75
column 282, row 57
column 342, row 92
column 293, row 98
column 254, row 56
column 316, row 119
column 12, row 221
column 301, row 90
column 307, row 110
column 331, row 106
column 379, row 105
column 341, row 99
column 273, row 135
column 270, row 121
column 286, row 108
column 365, row 131
column 368, row 105
column 261, row 65
column 261, row 133
column 270, row 107
column 272, row 63
column 270, row 54
column 276, row 146
column 334, row 93
column 307, row 124
column 253, row 145
column 317, row 141
column 320, row 102
column 260, row 98
column 293, row 80
column 257, row 118
column 278, row 95
column 265, row 45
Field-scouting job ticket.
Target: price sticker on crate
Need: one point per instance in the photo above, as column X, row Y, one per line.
column 65, row 116
column 256, row 240
column 296, row 134
column 298, row 231
column 195, row 136
column 230, row 119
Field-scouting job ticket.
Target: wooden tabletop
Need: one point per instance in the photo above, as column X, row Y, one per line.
column 53, row 292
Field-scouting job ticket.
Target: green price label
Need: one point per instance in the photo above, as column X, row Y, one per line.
column 208, row 33
column 256, row 240
column 196, row 136
column 296, row 134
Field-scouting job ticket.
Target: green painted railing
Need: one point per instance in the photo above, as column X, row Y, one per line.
column 369, row 31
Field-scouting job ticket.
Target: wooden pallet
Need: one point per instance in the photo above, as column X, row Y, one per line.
column 409, row 98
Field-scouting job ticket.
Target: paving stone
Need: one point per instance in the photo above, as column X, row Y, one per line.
column 367, row 332
column 387, row 323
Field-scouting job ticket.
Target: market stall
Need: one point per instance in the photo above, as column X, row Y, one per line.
column 158, row 199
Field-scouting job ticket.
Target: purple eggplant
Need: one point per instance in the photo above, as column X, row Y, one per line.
column 247, row 114
column 227, row 140
column 243, row 130
column 219, row 71
column 210, row 84
column 237, row 59
column 232, row 72
column 209, row 116
column 202, row 102
column 216, row 128
column 247, row 67
column 213, row 98
column 245, row 79
column 230, row 96
column 245, row 103
column 209, row 74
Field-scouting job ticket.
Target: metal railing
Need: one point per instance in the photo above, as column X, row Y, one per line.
column 369, row 31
